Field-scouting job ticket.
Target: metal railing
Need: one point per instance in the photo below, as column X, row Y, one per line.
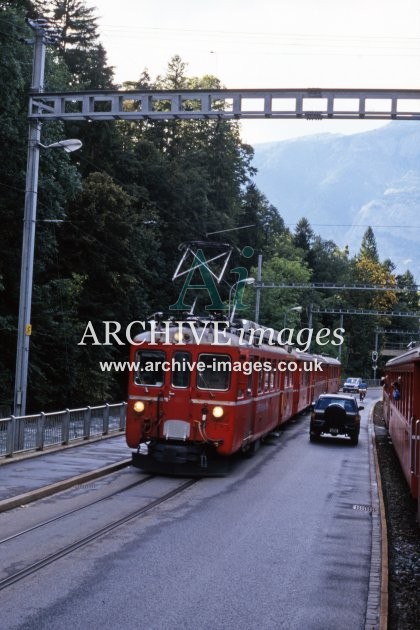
column 37, row 431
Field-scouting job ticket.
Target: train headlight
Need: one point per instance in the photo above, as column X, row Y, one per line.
column 138, row 406
column 181, row 337
column 218, row 412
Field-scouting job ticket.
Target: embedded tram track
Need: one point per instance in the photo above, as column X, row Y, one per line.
column 74, row 511
column 85, row 540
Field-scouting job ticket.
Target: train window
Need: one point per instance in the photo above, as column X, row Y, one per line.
column 266, row 380
column 272, row 374
column 410, row 396
column 250, row 375
column 260, row 382
column 181, row 369
column 149, row 368
column 215, row 373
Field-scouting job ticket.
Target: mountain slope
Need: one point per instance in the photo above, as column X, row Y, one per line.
column 342, row 184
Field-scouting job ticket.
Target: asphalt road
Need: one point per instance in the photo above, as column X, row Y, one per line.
column 276, row 544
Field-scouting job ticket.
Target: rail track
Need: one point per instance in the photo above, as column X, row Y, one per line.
column 35, row 566
column 74, row 511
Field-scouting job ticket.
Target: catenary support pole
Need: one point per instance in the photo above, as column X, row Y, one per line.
column 29, row 224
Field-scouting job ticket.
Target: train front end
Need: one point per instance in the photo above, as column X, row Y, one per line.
column 181, row 401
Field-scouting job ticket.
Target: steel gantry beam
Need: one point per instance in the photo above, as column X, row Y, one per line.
column 383, row 331
column 309, row 103
column 361, row 311
column 330, row 286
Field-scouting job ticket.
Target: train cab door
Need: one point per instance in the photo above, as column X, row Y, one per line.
column 244, row 398
column 413, row 405
column 311, row 387
column 306, row 386
column 260, row 402
column 178, row 399
column 287, row 406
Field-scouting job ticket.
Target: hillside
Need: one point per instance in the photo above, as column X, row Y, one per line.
column 342, row 184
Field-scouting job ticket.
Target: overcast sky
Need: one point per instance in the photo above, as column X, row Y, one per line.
column 269, row 44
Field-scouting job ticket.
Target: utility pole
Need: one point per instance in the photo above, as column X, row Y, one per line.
column 258, row 291
column 341, row 326
column 43, row 34
column 375, row 355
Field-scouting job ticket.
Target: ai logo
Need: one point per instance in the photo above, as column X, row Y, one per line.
column 205, row 272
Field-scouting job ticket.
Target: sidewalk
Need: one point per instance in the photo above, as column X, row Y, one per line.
column 26, row 479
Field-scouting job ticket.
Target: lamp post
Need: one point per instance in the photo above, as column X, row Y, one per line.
column 236, row 285
column 26, row 274
column 299, row 309
column 43, row 36
column 72, row 144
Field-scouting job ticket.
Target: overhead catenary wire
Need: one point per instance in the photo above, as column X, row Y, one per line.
column 291, row 44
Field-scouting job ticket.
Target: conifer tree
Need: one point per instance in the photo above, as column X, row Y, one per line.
column 79, row 43
column 368, row 247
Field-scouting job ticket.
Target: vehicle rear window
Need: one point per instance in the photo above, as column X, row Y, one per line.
column 323, row 403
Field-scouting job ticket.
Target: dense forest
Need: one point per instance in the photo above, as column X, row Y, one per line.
column 112, row 216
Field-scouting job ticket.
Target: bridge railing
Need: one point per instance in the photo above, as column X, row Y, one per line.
column 38, row 431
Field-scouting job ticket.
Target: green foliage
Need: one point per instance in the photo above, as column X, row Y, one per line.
column 126, row 201
column 286, row 265
column 266, row 223
column 368, row 248
column 79, row 45
column 304, row 235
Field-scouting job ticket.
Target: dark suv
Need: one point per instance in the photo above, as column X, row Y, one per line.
column 335, row 414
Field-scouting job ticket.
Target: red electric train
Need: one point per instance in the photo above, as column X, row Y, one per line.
column 402, row 414
column 202, row 390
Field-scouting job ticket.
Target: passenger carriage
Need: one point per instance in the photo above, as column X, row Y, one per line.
column 202, row 391
column 401, row 399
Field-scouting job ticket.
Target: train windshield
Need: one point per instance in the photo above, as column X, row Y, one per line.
column 181, row 369
column 215, row 372
column 149, row 368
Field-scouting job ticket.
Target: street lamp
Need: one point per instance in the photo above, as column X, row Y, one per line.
column 43, row 34
column 70, row 145
column 236, row 285
column 28, row 247
column 298, row 309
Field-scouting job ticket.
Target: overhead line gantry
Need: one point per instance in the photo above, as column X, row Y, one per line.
column 329, row 286
column 225, row 104
column 362, row 311
column 310, row 104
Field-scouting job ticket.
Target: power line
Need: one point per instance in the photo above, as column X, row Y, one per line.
column 295, row 39
column 403, row 227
